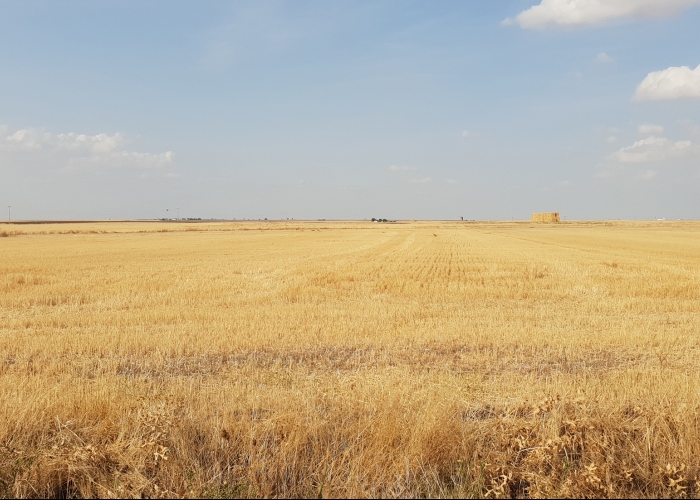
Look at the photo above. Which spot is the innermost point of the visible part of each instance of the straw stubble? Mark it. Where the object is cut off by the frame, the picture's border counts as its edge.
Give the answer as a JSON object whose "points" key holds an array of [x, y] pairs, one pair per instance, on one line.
{"points": [[349, 359]]}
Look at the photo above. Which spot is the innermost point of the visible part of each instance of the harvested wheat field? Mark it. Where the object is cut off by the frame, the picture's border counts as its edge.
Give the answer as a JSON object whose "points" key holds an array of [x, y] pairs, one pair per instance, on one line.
{"points": [[350, 359]]}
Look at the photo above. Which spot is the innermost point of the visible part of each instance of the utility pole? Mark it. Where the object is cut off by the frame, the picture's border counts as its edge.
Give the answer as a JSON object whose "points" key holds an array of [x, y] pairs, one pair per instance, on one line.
{"points": [[178, 214], [9, 209]]}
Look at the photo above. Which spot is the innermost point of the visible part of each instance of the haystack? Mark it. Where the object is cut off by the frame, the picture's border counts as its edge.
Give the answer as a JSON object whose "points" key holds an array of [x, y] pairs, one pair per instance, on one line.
{"points": [[546, 217]]}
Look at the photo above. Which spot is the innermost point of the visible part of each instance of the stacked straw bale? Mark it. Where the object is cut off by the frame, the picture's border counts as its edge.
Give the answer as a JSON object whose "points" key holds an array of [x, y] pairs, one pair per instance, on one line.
{"points": [[546, 217]]}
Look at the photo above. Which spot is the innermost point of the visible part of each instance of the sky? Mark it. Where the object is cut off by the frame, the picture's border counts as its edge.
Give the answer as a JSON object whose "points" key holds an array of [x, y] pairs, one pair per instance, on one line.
{"points": [[350, 110]]}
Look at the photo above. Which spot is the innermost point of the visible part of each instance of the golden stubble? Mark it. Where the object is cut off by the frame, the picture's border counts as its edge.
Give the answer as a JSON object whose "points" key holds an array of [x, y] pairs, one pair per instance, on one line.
{"points": [[349, 359]]}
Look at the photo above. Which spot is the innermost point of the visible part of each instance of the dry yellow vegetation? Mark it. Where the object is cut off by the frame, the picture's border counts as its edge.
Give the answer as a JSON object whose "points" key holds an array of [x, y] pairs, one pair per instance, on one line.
{"points": [[350, 359]]}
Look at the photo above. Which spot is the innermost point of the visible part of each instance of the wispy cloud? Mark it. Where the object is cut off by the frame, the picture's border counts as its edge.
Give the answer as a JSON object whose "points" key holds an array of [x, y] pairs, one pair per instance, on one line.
{"points": [[652, 158], [122, 159], [654, 149], [33, 139], [604, 58], [671, 83], [77, 151], [553, 13], [424, 180]]}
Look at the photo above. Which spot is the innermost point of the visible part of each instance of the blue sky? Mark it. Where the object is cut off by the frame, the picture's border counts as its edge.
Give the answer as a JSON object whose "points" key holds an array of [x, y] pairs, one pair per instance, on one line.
{"points": [[424, 110]]}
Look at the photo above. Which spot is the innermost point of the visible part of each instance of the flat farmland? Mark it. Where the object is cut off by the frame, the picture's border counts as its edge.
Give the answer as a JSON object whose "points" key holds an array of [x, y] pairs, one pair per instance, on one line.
{"points": [[284, 359]]}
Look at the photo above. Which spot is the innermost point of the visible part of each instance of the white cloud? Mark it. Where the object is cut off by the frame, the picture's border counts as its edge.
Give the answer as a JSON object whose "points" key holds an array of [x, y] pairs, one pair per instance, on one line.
{"points": [[649, 158], [672, 83], [654, 149], [651, 129], [121, 159], [424, 180], [604, 58], [100, 143], [402, 168], [24, 139], [76, 151], [590, 12], [611, 140], [31, 138]]}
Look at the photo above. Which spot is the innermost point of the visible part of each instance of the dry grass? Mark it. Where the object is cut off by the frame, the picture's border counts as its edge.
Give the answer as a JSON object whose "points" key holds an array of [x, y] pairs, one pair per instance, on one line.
{"points": [[349, 359]]}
